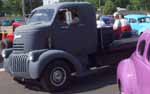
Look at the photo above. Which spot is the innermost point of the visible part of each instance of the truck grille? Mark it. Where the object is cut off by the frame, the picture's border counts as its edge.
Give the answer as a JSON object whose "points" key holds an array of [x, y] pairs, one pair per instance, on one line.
{"points": [[19, 63], [18, 47]]}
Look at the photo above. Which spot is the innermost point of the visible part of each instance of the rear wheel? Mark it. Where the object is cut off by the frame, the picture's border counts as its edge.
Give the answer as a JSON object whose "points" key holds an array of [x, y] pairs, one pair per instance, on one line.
{"points": [[122, 90], [56, 76]]}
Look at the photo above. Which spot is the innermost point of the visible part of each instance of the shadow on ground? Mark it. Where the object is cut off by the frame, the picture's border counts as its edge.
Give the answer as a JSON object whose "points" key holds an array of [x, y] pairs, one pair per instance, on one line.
{"points": [[92, 82]]}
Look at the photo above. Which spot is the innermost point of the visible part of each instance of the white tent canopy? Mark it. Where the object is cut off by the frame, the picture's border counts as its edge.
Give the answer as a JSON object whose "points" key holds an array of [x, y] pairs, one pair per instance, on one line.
{"points": [[47, 2]]}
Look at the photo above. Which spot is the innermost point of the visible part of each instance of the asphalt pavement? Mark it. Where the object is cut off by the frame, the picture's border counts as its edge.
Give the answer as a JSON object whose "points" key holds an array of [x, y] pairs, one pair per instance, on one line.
{"points": [[102, 82]]}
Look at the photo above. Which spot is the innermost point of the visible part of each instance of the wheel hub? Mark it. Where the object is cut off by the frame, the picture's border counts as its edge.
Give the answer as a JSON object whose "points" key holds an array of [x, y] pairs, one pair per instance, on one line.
{"points": [[58, 76]]}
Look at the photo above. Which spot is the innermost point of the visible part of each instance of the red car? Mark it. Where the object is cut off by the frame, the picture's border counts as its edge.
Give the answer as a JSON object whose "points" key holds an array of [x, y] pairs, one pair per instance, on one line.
{"points": [[7, 37]]}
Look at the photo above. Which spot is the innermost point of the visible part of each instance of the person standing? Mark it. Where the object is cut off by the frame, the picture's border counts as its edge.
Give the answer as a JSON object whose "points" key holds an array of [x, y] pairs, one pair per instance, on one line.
{"points": [[117, 25], [125, 27]]}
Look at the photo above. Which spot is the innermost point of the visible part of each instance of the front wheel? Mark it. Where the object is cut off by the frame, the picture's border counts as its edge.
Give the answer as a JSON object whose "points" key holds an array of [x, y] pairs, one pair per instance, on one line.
{"points": [[19, 80], [122, 89], [56, 76]]}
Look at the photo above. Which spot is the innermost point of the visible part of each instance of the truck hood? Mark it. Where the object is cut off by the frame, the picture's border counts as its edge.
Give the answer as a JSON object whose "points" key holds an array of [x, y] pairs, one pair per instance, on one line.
{"points": [[32, 37], [32, 27]]}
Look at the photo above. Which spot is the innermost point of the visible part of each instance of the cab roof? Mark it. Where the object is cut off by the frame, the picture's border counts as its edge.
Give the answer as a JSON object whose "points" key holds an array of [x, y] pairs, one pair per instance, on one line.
{"points": [[57, 6]]}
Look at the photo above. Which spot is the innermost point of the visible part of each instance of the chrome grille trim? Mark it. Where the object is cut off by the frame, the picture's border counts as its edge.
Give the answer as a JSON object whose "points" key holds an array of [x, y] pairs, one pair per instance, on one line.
{"points": [[18, 47], [19, 63]]}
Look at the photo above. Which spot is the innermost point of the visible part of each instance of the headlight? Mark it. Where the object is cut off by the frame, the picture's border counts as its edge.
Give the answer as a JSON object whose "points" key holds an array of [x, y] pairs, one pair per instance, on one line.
{"points": [[30, 56], [3, 54]]}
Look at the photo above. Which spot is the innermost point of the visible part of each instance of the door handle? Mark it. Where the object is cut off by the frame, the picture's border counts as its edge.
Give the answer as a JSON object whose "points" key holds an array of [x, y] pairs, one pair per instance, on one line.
{"points": [[81, 24], [64, 27]]}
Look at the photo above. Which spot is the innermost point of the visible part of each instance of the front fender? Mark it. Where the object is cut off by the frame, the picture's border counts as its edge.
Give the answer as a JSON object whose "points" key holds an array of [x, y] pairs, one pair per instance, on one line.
{"points": [[37, 67], [126, 75]]}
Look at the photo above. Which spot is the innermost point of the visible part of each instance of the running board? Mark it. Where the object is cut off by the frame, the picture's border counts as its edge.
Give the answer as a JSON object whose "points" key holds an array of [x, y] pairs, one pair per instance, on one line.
{"points": [[91, 70]]}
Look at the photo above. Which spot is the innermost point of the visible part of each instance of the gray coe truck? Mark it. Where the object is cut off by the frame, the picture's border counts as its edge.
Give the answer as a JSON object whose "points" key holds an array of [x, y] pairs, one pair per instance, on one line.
{"points": [[61, 41]]}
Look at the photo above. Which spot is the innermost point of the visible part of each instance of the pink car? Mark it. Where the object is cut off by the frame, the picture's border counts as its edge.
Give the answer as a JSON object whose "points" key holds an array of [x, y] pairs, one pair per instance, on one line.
{"points": [[133, 74]]}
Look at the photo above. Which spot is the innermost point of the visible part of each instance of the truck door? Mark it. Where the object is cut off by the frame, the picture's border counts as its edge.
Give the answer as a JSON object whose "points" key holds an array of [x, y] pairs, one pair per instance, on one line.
{"points": [[67, 36], [146, 71], [73, 37]]}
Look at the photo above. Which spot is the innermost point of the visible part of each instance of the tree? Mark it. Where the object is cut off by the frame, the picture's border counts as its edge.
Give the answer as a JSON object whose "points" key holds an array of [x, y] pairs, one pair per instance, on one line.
{"points": [[12, 6], [139, 5], [122, 3], [1, 5], [34, 4], [109, 7], [94, 2]]}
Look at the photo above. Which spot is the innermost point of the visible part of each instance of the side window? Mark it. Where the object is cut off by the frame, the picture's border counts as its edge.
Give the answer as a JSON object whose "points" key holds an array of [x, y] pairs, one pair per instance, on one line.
{"points": [[75, 15], [132, 20], [141, 20], [62, 17], [141, 47], [148, 53]]}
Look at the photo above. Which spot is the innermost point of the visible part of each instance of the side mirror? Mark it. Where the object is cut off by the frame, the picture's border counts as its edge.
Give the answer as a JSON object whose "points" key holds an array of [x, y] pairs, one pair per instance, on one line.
{"points": [[68, 15], [27, 15]]}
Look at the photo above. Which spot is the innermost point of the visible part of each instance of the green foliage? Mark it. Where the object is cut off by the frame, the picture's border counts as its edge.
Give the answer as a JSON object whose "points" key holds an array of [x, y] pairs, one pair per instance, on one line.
{"points": [[12, 6], [139, 5], [121, 3], [94, 2], [109, 7]]}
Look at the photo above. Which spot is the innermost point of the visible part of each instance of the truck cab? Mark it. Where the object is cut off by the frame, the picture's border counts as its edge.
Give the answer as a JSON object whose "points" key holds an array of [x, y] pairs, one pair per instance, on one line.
{"points": [[60, 41]]}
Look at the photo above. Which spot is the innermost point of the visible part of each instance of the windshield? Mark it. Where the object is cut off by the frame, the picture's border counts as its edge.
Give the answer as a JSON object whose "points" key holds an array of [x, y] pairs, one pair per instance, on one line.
{"points": [[43, 15], [144, 20]]}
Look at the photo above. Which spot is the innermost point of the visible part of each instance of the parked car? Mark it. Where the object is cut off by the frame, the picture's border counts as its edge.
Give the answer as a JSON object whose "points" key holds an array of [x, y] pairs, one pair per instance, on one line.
{"points": [[108, 20], [105, 21], [7, 37], [6, 23], [139, 22], [17, 22], [133, 73]]}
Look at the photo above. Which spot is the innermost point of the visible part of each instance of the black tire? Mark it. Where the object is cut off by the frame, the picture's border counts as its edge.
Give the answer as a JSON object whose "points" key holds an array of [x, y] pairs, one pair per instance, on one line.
{"points": [[119, 87], [2, 46], [56, 77], [5, 44], [19, 80], [8, 43]]}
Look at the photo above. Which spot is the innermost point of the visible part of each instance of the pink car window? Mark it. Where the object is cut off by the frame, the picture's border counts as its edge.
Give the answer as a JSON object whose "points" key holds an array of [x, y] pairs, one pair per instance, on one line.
{"points": [[141, 47]]}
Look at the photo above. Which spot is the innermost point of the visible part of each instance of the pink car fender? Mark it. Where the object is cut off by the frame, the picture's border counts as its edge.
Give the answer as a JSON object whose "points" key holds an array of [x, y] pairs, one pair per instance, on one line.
{"points": [[126, 77]]}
